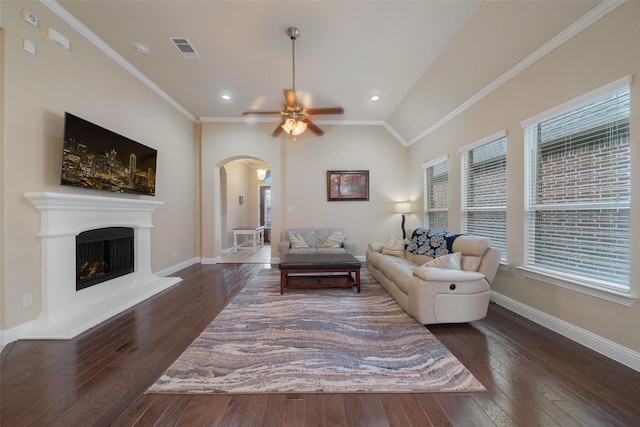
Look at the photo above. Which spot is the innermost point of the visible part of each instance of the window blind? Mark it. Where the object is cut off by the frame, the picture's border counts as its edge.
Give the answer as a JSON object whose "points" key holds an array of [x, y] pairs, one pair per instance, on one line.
{"points": [[436, 190], [578, 191], [484, 192]]}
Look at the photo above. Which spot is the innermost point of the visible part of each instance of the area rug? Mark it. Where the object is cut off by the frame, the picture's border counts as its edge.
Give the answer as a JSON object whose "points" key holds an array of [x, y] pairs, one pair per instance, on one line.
{"points": [[315, 341]]}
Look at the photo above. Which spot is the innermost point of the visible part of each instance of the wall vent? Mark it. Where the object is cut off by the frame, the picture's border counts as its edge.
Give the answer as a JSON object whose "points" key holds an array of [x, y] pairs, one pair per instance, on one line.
{"points": [[184, 46]]}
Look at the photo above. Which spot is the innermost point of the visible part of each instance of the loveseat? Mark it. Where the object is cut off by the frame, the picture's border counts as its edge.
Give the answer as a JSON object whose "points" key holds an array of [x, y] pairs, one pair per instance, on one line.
{"points": [[454, 286], [316, 241]]}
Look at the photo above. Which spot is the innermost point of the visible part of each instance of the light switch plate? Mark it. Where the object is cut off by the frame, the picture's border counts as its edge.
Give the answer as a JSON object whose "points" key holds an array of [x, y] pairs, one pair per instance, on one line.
{"points": [[29, 46]]}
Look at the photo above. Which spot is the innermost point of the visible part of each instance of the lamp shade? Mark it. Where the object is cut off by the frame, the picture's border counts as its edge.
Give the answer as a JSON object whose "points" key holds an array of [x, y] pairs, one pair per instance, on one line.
{"points": [[403, 208], [262, 174]]}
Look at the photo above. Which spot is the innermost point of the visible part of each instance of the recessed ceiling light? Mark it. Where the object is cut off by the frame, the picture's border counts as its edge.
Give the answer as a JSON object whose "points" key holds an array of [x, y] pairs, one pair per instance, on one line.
{"points": [[374, 98], [225, 96], [141, 48]]}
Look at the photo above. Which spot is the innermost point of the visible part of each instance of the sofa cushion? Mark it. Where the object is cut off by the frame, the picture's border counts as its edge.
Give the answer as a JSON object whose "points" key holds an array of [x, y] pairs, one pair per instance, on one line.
{"points": [[434, 243], [308, 234], [393, 247], [417, 259], [473, 249], [451, 261], [398, 270], [297, 241], [333, 241]]}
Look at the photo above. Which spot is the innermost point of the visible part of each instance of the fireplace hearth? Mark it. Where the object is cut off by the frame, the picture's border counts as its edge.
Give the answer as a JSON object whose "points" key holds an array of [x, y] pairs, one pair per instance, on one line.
{"points": [[102, 255]]}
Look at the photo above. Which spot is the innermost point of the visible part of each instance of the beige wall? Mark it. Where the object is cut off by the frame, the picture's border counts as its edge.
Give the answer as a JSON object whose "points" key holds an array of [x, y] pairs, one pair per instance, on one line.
{"points": [[221, 144], [298, 171], [604, 52], [38, 90], [3, 180]]}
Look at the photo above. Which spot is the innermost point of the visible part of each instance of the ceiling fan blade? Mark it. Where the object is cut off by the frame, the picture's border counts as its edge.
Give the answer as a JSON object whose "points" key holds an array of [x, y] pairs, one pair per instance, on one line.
{"points": [[312, 127], [255, 113], [277, 131], [330, 110], [290, 96]]}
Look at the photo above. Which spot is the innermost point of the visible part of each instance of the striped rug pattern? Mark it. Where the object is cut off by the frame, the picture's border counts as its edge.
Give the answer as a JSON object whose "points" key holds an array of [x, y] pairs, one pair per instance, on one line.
{"points": [[315, 340]]}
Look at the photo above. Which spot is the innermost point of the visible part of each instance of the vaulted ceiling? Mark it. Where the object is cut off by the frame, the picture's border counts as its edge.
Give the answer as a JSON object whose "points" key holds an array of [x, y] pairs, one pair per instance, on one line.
{"points": [[424, 59]]}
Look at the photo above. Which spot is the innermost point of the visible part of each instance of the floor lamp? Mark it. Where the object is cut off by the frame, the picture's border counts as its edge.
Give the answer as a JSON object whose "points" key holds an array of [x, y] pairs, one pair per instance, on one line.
{"points": [[403, 208]]}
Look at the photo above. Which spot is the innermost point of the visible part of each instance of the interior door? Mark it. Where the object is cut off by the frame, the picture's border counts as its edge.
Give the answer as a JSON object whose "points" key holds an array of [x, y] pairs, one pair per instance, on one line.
{"points": [[265, 212]]}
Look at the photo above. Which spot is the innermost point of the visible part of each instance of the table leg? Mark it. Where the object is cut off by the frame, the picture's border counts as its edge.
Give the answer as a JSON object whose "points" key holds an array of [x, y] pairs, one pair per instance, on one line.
{"points": [[283, 279], [235, 242], [358, 280]]}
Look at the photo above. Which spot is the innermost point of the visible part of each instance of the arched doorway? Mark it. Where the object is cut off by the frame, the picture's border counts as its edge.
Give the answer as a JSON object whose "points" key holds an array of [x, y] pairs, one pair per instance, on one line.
{"points": [[245, 189]]}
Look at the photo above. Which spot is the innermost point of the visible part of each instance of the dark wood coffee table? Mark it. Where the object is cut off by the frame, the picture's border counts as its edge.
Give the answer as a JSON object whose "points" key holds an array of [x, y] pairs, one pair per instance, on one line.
{"points": [[319, 271]]}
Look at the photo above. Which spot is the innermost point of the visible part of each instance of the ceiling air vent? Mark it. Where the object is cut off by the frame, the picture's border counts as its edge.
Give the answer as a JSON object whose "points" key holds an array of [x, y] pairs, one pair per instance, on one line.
{"points": [[184, 46]]}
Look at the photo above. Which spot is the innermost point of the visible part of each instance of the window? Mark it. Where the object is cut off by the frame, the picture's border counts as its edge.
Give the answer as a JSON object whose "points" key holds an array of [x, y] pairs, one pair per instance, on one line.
{"points": [[436, 194], [484, 190], [577, 195]]}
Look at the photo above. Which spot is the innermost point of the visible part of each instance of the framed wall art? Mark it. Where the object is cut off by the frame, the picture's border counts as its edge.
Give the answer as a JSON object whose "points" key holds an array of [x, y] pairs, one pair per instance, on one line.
{"points": [[347, 185]]}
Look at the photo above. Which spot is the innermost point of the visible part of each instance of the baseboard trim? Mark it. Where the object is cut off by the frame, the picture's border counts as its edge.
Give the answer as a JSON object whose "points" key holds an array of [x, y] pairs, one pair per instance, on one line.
{"points": [[216, 260], [180, 266], [608, 348], [10, 335]]}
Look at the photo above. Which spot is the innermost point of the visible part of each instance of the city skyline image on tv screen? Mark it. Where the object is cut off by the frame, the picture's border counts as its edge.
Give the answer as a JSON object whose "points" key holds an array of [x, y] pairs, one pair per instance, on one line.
{"points": [[97, 158]]}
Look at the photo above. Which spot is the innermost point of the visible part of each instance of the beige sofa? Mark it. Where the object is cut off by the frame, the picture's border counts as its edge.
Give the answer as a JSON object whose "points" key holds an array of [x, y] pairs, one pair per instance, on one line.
{"points": [[317, 241], [438, 295]]}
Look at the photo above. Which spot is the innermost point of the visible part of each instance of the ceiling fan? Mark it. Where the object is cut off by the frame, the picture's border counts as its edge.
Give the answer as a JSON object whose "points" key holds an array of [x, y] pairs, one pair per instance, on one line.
{"points": [[294, 115]]}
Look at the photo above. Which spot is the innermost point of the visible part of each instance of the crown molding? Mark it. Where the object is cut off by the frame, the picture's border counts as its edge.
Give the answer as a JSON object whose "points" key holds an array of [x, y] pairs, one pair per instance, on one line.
{"points": [[104, 47], [585, 21], [562, 37]]}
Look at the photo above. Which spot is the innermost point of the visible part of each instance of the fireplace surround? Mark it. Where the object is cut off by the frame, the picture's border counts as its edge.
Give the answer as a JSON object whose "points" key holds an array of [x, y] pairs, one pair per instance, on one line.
{"points": [[66, 312]]}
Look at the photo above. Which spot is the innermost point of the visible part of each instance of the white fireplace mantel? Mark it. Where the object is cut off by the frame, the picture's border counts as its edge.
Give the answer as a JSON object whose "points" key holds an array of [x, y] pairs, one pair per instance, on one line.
{"points": [[65, 311]]}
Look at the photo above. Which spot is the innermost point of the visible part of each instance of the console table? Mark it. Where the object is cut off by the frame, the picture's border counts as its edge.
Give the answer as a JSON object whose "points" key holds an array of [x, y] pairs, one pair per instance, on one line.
{"points": [[257, 234]]}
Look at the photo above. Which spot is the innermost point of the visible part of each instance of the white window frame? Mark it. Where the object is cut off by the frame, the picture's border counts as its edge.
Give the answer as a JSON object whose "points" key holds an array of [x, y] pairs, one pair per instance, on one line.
{"points": [[427, 196], [600, 289], [465, 153]]}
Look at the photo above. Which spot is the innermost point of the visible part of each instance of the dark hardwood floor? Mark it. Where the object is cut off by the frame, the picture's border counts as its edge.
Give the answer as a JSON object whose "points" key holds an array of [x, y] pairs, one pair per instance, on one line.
{"points": [[534, 377]]}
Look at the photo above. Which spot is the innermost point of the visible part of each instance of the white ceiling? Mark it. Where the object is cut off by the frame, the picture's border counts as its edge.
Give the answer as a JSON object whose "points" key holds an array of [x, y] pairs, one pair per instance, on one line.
{"points": [[423, 58]]}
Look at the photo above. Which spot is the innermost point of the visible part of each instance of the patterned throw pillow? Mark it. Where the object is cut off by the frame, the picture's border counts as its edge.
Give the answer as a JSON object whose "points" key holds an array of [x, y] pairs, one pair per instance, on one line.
{"points": [[451, 261], [297, 241], [333, 241], [394, 247]]}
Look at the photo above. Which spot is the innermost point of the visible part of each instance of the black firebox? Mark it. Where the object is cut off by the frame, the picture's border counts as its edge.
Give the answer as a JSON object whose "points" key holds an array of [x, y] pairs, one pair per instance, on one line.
{"points": [[103, 254]]}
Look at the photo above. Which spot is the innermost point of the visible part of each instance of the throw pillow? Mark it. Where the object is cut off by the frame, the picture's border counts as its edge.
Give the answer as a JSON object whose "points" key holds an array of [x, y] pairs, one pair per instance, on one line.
{"points": [[393, 247], [333, 241], [297, 241], [451, 261]]}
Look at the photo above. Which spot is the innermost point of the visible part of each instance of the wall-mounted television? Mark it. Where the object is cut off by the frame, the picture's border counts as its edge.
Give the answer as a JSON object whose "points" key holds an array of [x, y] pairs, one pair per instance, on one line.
{"points": [[95, 157]]}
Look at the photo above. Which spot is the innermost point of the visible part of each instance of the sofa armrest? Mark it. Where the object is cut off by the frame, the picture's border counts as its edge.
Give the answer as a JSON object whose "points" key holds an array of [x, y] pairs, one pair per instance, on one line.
{"points": [[376, 247], [490, 263], [435, 274], [349, 247], [283, 247]]}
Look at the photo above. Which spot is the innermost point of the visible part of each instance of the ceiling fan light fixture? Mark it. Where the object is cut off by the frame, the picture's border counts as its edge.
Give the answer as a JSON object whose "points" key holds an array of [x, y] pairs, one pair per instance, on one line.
{"points": [[294, 117], [299, 128], [293, 126]]}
